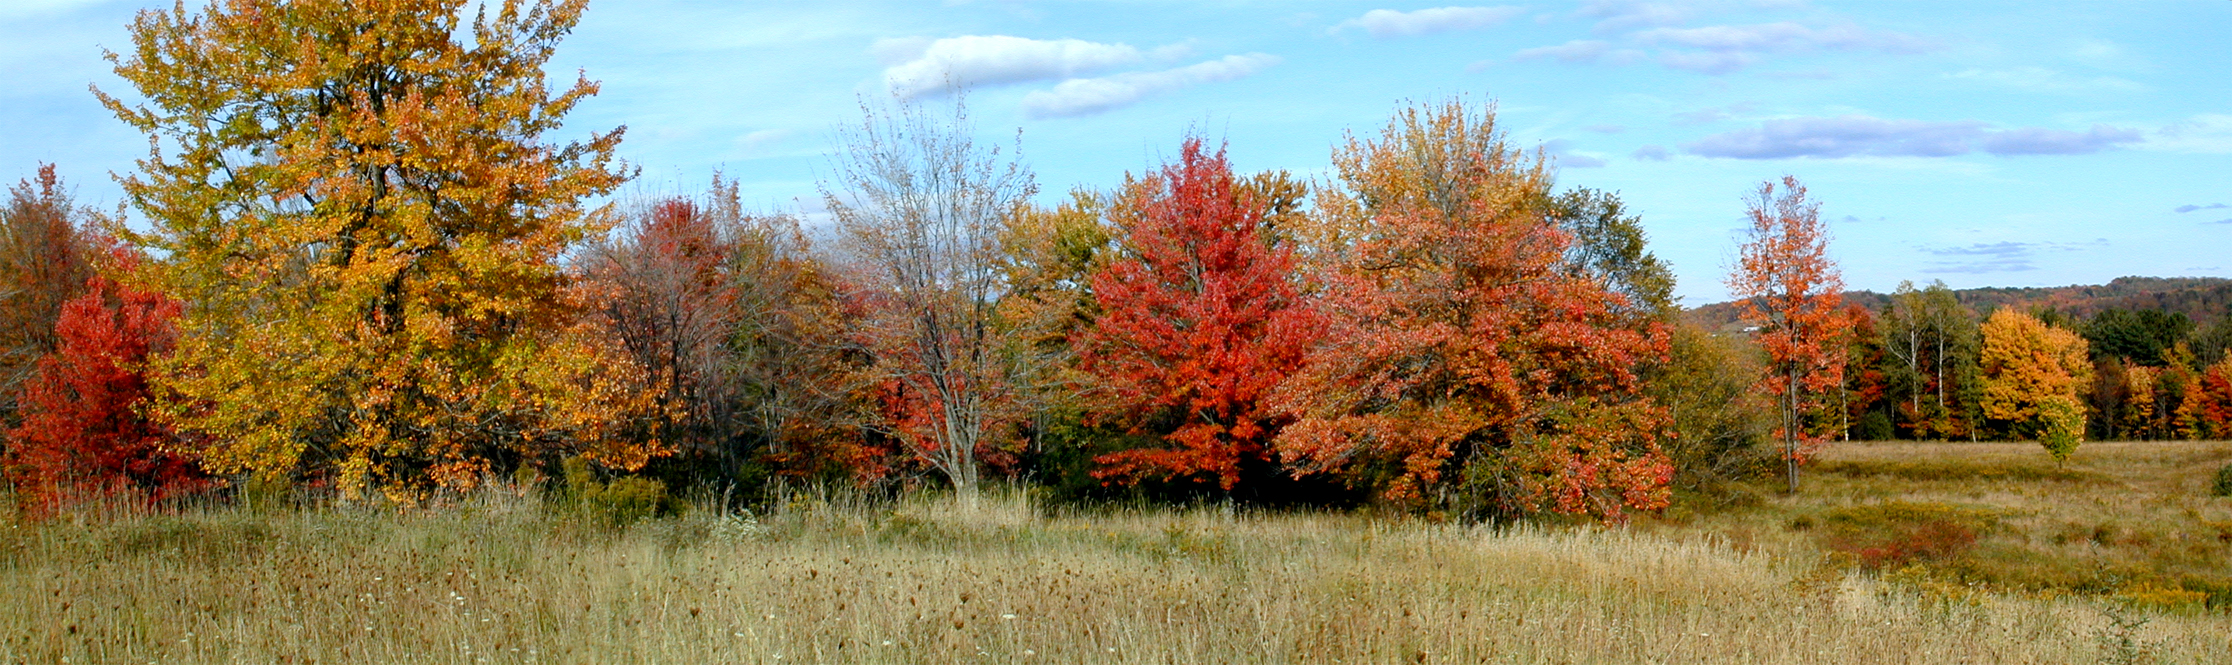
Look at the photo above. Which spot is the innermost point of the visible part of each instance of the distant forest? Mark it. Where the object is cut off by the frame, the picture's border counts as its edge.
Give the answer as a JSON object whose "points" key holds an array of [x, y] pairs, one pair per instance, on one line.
{"points": [[2200, 299]]}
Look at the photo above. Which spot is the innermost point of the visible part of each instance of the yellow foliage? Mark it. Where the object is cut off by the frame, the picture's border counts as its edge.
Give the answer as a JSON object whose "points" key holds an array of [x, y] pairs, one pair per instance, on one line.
{"points": [[2035, 375], [368, 226]]}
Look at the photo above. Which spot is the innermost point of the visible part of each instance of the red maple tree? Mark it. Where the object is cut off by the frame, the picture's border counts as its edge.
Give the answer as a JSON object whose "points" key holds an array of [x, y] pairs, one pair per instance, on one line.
{"points": [[82, 434], [1463, 358], [1200, 321], [1792, 291]]}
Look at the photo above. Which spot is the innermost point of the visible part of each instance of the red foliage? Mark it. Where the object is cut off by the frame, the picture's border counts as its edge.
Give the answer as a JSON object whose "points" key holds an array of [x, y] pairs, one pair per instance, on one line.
{"points": [[1200, 320], [2211, 400], [1866, 386], [1792, 290], [81, 433]]}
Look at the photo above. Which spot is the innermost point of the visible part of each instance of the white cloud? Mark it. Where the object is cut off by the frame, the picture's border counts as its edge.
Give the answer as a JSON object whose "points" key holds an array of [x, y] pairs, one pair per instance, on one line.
{"points": [[1561, 153], [2207, 133], [1857, 135], [1707, 63], [1087, 96], [1385, 23], [1783, 37], [1616, 15], [919, 66], [1581, 51], [2040, 79]]}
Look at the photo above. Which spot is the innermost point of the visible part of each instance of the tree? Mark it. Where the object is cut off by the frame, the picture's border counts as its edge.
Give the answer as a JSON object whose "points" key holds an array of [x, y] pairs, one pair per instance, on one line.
{"points": [[1609, 245], [45, 260], [1932, 336], [2035, 376], [2207, 410], [2138, 336], [920, 205], [1198, 321], [2141, 409], [358, 205], [1791, 289], [1461, 345], [82, 432], [1865, 384]]}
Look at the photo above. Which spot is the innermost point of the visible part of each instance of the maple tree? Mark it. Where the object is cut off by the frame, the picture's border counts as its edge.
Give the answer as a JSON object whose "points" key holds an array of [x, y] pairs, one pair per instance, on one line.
{"points": [[920, 206], [2207, 408], [1464, 358], [1792, 291], [82, 433], [1865, 384], [358, 206], [45, 260], [2035, 376], [1198, 321]]}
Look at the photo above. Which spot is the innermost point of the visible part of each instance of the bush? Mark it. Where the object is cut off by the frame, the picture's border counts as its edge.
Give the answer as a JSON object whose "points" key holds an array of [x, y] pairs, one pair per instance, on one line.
{"points": [[617, 504], [2223, 486], [1898, 533]]}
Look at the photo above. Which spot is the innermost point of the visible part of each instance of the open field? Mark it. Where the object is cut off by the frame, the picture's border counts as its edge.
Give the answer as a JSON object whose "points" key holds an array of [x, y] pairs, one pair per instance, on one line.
{"points": [[501, 579]]}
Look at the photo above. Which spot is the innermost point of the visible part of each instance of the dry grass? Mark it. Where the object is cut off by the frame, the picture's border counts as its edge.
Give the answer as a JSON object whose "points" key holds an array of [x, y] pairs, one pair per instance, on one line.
{"points": [[498, 580], [2130, 518]]}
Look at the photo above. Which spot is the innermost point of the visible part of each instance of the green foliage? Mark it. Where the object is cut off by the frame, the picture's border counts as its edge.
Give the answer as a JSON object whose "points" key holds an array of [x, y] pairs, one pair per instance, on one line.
{"points": [[1609, 245], [2138, 336], [2223, 484], [1959, 471], [1873, 426], [2064, 428], [617, 504], [1721, 425]]}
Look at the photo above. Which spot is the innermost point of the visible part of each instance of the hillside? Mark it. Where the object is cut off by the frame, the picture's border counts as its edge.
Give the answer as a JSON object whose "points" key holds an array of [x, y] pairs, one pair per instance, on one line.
{"points": [[2199, 298]]}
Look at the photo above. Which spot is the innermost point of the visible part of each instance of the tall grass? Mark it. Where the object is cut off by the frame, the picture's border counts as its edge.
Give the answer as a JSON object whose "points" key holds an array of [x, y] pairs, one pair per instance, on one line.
{"points": [[499, 579]]}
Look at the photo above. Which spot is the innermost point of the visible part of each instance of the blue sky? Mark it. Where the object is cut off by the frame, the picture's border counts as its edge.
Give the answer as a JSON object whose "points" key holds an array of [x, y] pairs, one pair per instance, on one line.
{"points": [[1982, 143]]}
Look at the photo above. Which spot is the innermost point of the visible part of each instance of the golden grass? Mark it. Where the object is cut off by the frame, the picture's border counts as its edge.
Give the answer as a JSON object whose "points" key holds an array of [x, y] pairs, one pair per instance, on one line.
{"points": [[499, 580]]}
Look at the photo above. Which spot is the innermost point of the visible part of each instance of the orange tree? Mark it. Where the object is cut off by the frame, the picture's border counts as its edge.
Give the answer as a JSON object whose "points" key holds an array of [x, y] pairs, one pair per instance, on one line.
{"points": [[1465, 361], [358, 206], [1792, 291], [1199, 319], [2035, 376]]}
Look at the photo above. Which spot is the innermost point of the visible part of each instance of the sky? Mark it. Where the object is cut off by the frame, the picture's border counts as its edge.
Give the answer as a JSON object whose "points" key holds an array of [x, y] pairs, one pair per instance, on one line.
{"points": [[1982, 143]]}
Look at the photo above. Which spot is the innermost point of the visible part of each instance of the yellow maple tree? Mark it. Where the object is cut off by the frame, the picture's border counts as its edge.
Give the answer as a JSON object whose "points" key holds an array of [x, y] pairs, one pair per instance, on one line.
{"points": [[356, 201], [2035, 376]]}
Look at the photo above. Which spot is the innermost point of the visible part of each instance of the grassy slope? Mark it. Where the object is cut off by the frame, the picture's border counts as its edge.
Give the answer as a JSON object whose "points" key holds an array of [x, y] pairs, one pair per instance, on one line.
{"points": [[498, 581]]}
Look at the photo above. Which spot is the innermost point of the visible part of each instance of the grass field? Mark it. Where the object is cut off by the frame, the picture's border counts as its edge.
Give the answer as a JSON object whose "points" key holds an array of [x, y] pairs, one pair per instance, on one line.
{"points": [[2083, 564]]}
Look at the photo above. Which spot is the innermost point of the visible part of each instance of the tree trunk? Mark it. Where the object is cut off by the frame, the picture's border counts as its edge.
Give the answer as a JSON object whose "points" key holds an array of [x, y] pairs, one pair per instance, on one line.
{"points": [[1790, 429]]}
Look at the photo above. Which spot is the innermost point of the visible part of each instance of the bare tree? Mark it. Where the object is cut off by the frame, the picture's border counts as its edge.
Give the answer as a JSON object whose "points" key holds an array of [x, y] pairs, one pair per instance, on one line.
{"points": [[920, 206]]}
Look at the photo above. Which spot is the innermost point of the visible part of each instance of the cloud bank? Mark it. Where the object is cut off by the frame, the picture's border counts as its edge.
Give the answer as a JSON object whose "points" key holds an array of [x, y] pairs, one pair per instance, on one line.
{"points": [[1857, 135], [1087, 96], [919, 66], [1386, 23]]}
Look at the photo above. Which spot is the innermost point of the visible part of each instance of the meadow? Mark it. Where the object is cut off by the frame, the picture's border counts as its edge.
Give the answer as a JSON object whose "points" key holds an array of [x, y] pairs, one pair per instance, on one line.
{"points": [[1895, 553]]}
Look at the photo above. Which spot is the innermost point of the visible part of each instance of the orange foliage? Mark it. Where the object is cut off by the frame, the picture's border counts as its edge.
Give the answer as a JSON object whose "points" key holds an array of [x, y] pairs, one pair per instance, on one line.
{"points": [[1792, 291], [1457, 341]]}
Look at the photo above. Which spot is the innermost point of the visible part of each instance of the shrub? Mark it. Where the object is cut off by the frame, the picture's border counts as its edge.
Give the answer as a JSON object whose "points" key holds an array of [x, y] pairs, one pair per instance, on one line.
{"points": [[1898, 533], [619, 503], [2223, 485]]}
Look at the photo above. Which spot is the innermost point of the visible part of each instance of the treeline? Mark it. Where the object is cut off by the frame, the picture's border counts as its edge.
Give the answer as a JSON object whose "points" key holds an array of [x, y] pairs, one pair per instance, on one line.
{"points": [[1926, 362], [363, 271]]}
